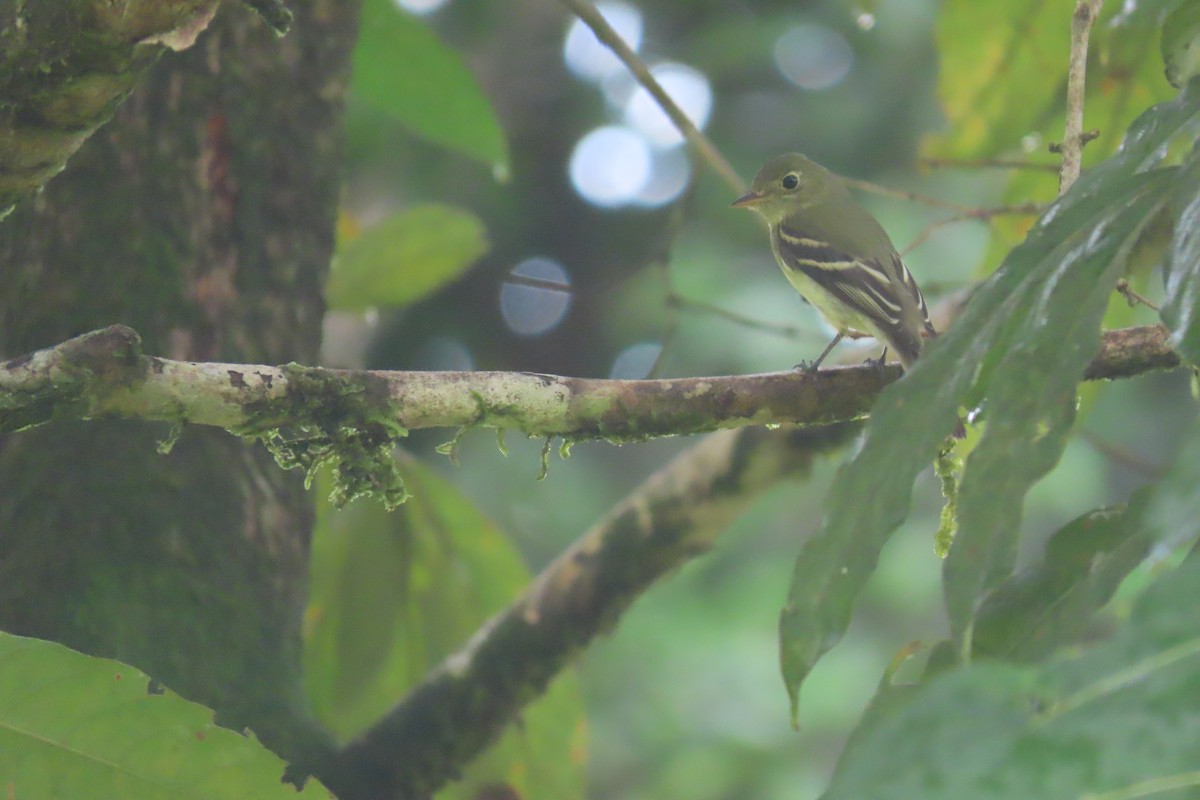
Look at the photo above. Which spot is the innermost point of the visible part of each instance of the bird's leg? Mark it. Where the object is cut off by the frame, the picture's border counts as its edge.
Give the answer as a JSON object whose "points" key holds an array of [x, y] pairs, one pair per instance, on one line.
{"points": [[812, 366], [878, 363]]}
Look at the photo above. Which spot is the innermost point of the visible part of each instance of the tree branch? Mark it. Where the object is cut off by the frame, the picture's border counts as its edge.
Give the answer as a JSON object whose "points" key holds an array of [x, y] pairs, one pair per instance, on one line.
{"points": [[674, 516], [1074, 138], [105, 374]]}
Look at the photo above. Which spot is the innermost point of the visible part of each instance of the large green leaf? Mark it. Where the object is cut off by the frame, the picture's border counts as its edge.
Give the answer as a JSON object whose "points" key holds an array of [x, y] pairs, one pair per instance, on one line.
{"points": [[395, 593], [1122, 718], [73, 726], [405, 257], [402, 68], [1022, 343], [1053, 329], [1181, 311], [1051, 603], [1014, 106], [1004, 66], [1181, 42]]}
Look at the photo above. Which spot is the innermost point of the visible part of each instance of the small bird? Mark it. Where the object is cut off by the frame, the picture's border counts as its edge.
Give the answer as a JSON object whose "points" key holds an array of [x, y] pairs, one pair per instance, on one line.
{"points": [[838, 256]]}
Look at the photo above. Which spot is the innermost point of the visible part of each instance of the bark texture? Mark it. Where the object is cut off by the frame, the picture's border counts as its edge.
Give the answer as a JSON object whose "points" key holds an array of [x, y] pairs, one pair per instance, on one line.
{"points": [[203, 216]]}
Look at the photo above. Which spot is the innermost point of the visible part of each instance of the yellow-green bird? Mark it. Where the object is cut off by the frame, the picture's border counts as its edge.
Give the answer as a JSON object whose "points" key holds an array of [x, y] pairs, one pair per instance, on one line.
{"points": [[838, 256]]}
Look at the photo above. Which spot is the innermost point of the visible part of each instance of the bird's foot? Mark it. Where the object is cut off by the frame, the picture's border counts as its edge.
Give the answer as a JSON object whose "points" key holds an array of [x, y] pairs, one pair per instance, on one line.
{"points": [[879, 363], [808, 367]]}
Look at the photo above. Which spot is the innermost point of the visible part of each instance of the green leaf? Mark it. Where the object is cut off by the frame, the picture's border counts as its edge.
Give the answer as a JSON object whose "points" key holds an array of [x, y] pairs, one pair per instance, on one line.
{"points": [[1052, 332], [401, 68], [393, 594], [74, 726], [405, 257], [1116, 718], [1022, 342], [998, 77], [1003, 74], [1181, 43], [1050, 604], [1181, 308]]}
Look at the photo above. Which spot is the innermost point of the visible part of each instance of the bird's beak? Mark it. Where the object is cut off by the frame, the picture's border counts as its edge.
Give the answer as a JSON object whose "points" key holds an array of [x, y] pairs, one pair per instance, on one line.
{"points": [[748, 199]]}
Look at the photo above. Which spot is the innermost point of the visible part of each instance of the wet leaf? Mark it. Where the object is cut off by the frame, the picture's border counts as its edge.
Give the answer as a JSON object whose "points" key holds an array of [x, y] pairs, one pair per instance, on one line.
{"points": [[395, 593], [401, 68], [76, 726], [403, 258], [1020, 345], [1117, 719]]}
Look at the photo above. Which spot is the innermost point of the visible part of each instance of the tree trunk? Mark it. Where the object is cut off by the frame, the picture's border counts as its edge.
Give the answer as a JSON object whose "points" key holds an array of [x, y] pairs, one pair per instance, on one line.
{"points": [[202, 216]]}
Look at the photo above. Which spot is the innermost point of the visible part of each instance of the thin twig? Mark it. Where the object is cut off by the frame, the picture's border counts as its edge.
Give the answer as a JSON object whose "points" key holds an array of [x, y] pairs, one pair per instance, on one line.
{"points": [[986, 163], [1133, 298], [904, 194], [1020, 209], [789, 331], [1119, 455], [671, 326], [1073, 141], [703, 146]]}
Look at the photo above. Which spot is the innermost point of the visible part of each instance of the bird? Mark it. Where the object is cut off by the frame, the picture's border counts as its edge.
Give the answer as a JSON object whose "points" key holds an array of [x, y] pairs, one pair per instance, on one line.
{"points": [[838, 257]]}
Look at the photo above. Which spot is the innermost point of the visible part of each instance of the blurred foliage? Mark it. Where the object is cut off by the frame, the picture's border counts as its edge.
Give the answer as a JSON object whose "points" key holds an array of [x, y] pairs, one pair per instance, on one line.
{"points": [[1068, 490], [76, 726], [1115, 722], [402, 68], [402, 259], [395, 593]]}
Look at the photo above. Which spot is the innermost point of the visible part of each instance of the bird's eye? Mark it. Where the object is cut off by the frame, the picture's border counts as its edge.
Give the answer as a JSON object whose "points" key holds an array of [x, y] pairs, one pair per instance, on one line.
{"points": [[790, 181]]}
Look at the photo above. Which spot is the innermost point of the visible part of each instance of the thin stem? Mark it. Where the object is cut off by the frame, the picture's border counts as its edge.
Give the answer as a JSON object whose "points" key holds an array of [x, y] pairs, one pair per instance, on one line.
{"points": [[904, 194], [1073, 139], [1133, 298], [1121, 678], [1020, 209], [986, 163], [1119, 455], [680, 302], [1148, 787], [703, 146]]}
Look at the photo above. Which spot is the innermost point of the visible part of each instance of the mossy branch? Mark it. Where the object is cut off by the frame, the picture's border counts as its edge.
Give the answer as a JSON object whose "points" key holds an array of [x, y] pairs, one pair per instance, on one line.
{"points": [[105, 374]]}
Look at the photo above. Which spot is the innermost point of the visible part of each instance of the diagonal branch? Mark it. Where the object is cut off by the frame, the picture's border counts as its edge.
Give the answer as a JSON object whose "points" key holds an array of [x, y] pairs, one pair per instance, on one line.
{"points": [[674, 516], [105, 374]]}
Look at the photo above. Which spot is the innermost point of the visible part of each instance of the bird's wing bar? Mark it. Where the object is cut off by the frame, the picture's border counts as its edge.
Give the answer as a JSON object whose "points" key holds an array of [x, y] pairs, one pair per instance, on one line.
{"points": [[862, 285], [910, 283]]}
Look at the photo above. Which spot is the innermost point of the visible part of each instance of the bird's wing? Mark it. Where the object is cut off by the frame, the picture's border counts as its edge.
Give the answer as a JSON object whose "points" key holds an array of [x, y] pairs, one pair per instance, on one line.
{"points": [[875, 290]]}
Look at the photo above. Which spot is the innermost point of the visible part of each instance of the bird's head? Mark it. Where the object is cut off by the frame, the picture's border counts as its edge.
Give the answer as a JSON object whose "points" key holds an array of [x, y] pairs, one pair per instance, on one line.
{"points": [[787, 184]]}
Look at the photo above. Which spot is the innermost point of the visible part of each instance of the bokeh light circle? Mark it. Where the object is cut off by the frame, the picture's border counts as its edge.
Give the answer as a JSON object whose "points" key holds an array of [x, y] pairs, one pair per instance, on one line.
{"points": [[814, 57], [610, 166], [670, 172], [536, 298], [635, 361], [583, 53], [421, 7]]}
